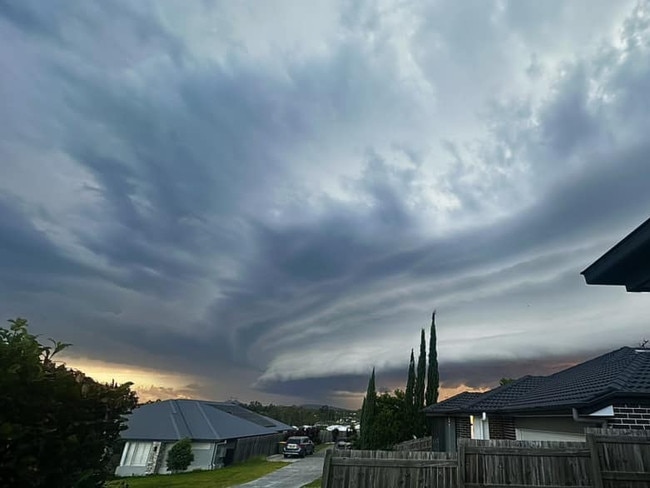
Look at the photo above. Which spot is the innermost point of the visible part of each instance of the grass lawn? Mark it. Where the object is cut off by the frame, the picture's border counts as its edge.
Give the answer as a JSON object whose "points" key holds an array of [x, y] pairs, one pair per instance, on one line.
{"points": [[322, 447], [314, 484], [219, 478]]}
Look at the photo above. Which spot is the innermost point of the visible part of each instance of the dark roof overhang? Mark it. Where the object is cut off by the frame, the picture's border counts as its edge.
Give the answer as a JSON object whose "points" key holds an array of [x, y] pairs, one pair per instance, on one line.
{"points": [[626, 264]]}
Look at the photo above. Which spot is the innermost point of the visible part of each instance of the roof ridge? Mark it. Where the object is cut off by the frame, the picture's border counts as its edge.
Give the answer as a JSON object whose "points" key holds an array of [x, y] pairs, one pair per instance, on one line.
{"points": [[177, 411], [207, 420]]}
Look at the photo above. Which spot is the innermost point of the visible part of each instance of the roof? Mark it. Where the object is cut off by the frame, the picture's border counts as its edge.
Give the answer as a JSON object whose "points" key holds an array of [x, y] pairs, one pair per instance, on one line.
{"points": [[621, 373], [172, 420], [462, 401], [627, 263]]}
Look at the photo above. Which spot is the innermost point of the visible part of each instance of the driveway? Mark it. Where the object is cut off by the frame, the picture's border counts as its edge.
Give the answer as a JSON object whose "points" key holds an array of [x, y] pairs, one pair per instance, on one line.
{"points": [[299, 473]]}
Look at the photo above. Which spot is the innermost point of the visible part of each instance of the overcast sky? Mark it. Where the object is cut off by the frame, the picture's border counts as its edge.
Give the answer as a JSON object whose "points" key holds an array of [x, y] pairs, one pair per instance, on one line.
{"points": [[264, 200]]}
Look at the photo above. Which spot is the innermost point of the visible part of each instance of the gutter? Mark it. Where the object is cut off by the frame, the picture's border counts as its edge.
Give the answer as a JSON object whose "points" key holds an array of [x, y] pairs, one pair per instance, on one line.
{"points": [[587, 420]]}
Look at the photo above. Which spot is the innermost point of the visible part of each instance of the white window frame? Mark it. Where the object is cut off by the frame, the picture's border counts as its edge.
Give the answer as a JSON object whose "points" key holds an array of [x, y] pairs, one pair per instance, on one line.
{"points": [[479, 427], [136, 453]]}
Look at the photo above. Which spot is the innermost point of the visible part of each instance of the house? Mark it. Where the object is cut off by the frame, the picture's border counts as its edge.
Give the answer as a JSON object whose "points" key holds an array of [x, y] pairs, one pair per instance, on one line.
{"points": [[626, 264], [221, 433], [612, 390]]}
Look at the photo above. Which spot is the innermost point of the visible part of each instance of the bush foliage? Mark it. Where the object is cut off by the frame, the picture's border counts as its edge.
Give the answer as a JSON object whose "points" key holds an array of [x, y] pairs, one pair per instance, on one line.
{"points": [[57, 425], [180, 456]]}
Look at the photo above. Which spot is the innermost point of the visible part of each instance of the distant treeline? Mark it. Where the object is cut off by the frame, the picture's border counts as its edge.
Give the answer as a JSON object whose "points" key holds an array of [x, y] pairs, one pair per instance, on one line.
{"points": [[299, 415]]}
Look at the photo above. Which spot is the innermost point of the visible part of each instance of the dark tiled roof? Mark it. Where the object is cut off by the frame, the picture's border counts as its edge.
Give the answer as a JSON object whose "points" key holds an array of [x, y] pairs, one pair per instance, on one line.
{"points": [[452, 404], [624, 372], [200, 420], [507, 394], [489, 401], [621, 372]]}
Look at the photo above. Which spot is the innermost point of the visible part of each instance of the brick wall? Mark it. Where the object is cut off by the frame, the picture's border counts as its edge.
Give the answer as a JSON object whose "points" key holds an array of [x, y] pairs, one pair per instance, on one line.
{"points": [[631, 415], [502, 428], [463, 428]]}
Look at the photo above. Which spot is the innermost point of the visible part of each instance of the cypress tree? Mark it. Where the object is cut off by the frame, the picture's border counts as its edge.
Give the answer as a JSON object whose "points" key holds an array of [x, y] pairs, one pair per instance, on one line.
{"points": [[409, 399], [420, 381], [433, 377], [362, 420], [368, 416]]}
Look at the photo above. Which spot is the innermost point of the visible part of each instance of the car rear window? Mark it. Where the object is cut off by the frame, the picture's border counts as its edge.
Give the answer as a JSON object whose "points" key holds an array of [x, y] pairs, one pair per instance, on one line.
{"points": [[294, 440]]}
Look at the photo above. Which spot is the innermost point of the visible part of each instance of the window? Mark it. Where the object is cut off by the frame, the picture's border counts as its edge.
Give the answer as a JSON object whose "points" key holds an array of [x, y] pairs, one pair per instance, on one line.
{"points": [[137, 453], [480, 428]]}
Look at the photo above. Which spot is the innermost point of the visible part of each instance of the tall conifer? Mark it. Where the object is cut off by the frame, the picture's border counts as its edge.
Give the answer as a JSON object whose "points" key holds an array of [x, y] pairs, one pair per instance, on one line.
{"points": [[409, 400], [433, 377], [420, 382]]}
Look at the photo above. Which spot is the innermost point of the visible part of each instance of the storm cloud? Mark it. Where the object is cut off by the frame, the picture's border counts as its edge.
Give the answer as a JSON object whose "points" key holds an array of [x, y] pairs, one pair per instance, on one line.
{"points": [[271, 198]]}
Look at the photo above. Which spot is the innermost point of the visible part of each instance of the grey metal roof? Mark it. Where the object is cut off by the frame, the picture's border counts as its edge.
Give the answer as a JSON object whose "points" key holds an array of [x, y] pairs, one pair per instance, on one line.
{"points": [[621, 373], [172, 420], [627, 263]]}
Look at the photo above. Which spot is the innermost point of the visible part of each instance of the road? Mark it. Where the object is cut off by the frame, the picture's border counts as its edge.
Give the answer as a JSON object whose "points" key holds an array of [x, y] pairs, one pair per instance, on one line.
{"points": [[299, 473]]}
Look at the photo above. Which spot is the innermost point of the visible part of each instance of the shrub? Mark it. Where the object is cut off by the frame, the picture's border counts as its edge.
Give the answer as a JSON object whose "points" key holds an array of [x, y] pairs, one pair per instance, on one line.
{"points": [[56, 424], [180, 456]]}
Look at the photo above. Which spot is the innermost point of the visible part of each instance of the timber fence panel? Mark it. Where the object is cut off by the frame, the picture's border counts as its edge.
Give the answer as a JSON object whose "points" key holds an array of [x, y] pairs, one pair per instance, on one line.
{"points": [[388, 469], [521, 464], [422, 444], [609, 459], [249, 447], [621, 457]]}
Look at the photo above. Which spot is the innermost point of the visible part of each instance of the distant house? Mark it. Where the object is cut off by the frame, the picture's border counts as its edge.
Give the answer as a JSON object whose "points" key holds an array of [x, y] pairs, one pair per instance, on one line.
{"points": [[221, 433], [626, 264], [611, 390]]}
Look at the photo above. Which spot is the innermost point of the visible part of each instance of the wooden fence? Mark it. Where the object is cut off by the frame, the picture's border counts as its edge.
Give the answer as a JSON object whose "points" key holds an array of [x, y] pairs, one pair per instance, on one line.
{"points": [[249, 447], [622, 458], [609, 459], [523, 464], [423, 444], [394, 469]]}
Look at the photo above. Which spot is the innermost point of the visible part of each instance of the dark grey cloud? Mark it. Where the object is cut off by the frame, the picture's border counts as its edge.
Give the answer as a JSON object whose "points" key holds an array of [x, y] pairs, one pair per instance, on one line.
{"points": [[193, 189]]}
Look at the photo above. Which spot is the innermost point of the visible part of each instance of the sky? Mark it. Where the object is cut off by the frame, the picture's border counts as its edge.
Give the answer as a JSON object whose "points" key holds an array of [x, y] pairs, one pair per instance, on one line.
{"points": [[265, 200]]}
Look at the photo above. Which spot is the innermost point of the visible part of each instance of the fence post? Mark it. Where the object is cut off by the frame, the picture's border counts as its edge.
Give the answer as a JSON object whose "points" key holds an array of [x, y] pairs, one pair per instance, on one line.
{"points": [[327, 468], [596, 472], [461, 463]]}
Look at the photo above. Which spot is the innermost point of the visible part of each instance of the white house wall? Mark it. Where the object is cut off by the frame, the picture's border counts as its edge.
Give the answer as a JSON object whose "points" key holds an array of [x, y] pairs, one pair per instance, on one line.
{"points": [[549, 429], [203, 457], [134, 458]]}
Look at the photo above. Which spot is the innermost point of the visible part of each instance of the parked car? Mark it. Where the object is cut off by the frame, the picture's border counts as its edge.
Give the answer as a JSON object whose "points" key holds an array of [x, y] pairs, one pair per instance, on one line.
{"points": [[343, 444], [298, 446]]}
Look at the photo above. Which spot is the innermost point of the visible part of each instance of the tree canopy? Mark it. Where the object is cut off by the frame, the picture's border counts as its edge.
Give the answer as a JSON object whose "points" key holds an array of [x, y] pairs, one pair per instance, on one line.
{"points": [[57, 425]]}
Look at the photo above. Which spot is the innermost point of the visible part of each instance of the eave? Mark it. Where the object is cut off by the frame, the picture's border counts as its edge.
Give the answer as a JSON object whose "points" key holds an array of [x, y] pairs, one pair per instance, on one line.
{"points": [[626, 264]]}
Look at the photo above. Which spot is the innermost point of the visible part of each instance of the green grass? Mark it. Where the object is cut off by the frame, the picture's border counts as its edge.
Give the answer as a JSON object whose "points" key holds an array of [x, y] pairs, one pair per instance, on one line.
{"points": [[322, 447], [314, 484], [219, 478]]}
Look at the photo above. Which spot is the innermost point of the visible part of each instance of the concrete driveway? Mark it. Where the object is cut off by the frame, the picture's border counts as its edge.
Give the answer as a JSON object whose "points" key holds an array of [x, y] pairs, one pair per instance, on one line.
{"points": [[297, 474]]}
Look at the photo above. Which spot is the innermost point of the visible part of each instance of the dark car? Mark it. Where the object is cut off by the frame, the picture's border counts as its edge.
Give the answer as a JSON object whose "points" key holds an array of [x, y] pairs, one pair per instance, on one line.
{"points": [[298, 446]]}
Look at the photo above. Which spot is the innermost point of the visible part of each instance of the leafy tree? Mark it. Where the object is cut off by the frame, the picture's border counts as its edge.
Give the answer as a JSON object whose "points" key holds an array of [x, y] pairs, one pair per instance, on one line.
{"points": [[57, 425], [389, 420], [409, 400], [505, 381], [433, 376], [419, 427], [368, 437], [300, 415], [180, 456]]}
